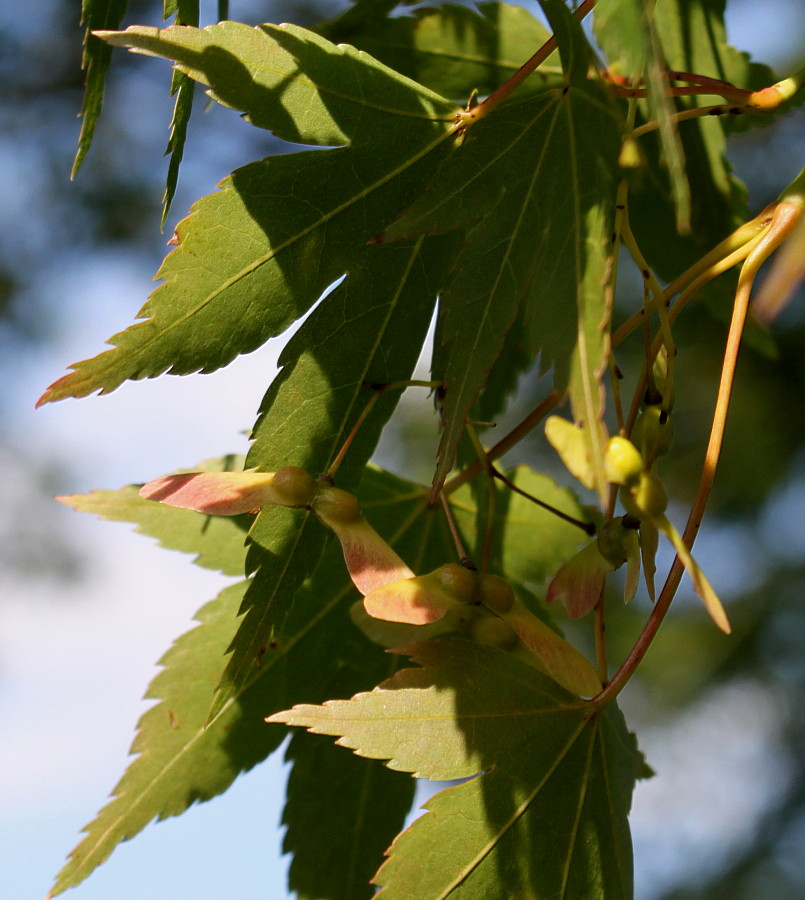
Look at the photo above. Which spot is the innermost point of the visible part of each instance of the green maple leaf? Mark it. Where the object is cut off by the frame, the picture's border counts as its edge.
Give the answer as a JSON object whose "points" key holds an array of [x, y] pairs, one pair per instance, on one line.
{"points": [[180, 760], [548, 818], [535, 194], [255, 256], [186, 755], [95, 14], [183, 88], [337, 836], [326, 372], [220, 543], [451, 49], [527, 540]]}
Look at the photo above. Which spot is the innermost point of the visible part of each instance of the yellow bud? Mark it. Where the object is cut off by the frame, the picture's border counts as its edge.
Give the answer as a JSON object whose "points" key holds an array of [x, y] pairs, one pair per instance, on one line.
{"points": [[623, 464], [652, 436]]}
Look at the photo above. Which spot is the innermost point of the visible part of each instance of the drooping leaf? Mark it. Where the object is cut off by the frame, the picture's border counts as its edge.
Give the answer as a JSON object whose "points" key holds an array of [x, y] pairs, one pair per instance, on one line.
{"points": [[219, 542], [303, 660], [451, 49], [549, 817], [95, 14], [325, 381], [183, 88], [536, 195], [255, 256]]}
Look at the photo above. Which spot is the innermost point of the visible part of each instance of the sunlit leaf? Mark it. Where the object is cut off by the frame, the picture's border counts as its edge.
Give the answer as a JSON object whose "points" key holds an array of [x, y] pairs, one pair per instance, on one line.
{"points": [[536, 239], [219, 542], [325, 381], [549, 817], [451, 49], [255, 256]]}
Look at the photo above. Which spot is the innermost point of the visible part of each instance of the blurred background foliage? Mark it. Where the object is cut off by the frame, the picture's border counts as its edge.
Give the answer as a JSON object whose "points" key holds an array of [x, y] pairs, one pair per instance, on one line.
{"points": [[751, 686]]}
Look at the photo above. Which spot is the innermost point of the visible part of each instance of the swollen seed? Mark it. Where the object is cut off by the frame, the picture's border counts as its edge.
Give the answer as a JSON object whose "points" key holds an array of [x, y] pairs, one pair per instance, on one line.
{"points": [[612, 542], [496, 593], [652, 436], [623, 463], [335, 506], [650, 495], [295, 486], [494, 633], [458, 582]]}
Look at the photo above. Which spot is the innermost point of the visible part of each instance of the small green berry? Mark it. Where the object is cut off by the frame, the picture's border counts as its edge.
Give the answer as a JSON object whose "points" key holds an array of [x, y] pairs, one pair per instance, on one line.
{"points": [[648, 497], [295, 486], [623, 463], [496, 593], [459, 582]]}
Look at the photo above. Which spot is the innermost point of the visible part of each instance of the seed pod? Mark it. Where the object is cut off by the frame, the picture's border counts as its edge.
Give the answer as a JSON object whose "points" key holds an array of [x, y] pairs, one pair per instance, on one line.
{"points": [[496, 593], [494, 632], [423, 599], [612, 542], [623, 463], [650, 496], [296, 486], [458, 581], [232, 493], [651, 436], [336, 507]]}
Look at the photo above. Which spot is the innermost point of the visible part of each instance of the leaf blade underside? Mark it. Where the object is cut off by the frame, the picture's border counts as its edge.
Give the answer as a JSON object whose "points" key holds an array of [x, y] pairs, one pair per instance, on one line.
{"points": [[535, 195], [551, 809], [451, 49], [218, 542], [253, 257], [324, 384]]}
